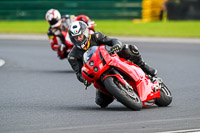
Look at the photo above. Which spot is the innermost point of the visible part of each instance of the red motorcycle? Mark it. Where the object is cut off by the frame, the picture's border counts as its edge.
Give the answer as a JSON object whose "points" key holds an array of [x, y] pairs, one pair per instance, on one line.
{"points": [[65, 47], [123, 80]]}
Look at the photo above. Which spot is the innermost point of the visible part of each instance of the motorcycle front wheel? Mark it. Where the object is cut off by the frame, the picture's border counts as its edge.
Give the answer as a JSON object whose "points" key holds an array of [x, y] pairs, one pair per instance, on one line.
{"points": [[165, 96], [124, 95]]}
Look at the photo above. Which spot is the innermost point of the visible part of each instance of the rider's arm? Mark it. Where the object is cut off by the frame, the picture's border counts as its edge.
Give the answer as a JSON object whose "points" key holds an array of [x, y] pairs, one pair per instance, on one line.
{"points": [[56, 41], [76, 65], [102, 39], [53, 40], [54, 44]]}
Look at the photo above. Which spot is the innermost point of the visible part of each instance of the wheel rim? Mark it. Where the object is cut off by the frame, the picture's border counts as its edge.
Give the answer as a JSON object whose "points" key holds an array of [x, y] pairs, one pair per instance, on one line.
{"points": [[128, 92], [166, 90]]}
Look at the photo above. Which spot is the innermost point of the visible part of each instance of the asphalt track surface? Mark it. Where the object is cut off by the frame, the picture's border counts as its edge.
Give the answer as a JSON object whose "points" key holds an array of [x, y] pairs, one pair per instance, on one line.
{"points": [[40, 93]]}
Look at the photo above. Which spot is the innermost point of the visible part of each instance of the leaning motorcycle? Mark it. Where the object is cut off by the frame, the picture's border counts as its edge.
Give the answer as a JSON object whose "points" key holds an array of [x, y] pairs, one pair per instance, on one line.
{"points": [[123, 80]]}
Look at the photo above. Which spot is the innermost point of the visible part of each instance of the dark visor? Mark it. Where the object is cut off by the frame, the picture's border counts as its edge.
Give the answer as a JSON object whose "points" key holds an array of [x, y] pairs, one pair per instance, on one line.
{"points": [[53, 21]]}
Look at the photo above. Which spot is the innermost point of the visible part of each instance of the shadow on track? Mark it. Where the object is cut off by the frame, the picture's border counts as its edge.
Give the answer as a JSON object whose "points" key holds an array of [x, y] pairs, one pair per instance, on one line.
{"points": [[87, 108], [57, 71], [109, 108], [47, 71], [53, 107]]}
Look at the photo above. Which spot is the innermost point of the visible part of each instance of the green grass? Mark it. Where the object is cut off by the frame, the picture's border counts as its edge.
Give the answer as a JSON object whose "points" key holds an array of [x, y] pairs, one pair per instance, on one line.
{"points": [[38, 27], [154, 29], [118, 27]]}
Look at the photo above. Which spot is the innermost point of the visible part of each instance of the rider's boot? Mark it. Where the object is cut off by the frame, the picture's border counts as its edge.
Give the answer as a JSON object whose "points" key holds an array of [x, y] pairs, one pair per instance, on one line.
{"points": [[147, 69], [102, 99]]}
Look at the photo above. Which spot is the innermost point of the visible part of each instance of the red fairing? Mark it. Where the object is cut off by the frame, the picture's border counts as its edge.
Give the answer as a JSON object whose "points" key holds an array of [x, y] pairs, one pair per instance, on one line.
{"points": [[87, 20], [102, 60], [68, 42], [62, 53], [82, 18], [91, 76], [90, 70], [54, 44], [143, 84]]}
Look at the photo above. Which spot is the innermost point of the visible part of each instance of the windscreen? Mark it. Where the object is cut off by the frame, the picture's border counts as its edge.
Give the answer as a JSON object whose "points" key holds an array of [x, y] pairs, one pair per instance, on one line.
{"points": [[88, 54]]}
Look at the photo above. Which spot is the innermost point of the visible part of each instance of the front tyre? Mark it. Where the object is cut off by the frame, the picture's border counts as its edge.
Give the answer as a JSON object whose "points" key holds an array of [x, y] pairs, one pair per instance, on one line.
{"points": [[165, 96], [124, 95]]}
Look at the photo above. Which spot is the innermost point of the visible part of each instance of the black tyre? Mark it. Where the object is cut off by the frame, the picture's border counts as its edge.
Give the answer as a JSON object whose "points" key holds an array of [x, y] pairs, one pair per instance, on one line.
{"points": [[127, 97], [165, 96]]}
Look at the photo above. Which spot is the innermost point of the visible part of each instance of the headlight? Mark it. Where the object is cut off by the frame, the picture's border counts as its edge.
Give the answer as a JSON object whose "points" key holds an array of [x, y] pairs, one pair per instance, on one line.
{"points": [[91, 63], [96, 69]]}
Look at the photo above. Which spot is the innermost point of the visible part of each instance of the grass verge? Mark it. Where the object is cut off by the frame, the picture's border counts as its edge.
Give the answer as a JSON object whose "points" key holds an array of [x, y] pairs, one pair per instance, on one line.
{"points": [[189, 29]]}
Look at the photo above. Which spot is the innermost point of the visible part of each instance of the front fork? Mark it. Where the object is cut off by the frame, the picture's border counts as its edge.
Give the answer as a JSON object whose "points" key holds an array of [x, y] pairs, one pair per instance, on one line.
{"points": [[157, 83]]}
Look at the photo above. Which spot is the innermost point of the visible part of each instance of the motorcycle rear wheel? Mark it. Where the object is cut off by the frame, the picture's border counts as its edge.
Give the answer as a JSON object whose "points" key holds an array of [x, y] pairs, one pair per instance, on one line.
{"points": [[128, 98], [165, 96]]}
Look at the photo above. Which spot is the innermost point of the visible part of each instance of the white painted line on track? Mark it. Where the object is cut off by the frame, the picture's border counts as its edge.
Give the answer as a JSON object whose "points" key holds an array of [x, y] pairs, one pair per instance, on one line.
{"points": [[184, 131], [2, 62]]}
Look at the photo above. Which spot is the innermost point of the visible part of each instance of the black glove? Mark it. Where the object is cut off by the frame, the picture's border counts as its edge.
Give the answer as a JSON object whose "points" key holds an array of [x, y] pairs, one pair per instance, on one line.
{"points": [[86, 83], [116, 48], [56, 31]]}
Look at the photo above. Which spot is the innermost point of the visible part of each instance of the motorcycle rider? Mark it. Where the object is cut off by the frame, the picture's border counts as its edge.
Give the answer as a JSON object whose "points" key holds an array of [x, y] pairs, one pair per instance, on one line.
{"points": [[58, 30], [82, 40]]}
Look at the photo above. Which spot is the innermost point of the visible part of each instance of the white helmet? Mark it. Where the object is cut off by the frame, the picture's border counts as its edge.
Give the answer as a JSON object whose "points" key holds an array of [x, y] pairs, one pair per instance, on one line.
{"points": [[77, 28], [53, 17]]}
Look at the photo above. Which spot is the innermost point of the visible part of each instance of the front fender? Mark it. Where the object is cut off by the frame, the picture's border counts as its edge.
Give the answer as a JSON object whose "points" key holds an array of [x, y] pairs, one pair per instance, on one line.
{"points": [[117, 76]]}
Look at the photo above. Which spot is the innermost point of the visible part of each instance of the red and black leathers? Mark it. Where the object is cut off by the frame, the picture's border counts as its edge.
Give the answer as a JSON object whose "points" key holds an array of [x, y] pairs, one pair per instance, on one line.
{"points": [[60, 42]]}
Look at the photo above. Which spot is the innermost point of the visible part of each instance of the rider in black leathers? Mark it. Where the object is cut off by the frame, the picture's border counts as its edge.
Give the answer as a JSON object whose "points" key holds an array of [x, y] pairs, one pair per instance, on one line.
{"points": [[79, 35]]}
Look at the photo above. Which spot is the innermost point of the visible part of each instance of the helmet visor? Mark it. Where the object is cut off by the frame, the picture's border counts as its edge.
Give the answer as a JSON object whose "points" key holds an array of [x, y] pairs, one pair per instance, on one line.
{"points": [[80, 40], [55, 23]]}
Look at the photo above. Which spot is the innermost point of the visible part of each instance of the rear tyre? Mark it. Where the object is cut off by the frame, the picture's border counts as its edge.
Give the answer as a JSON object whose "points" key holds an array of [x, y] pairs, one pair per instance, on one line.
{"points": [[124, 95], [165, 96]]}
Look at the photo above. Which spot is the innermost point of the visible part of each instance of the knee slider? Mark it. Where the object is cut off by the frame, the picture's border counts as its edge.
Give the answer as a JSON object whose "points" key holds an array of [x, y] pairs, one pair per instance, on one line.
{"points": [[71, 58], [134, 49], [126, 52]]}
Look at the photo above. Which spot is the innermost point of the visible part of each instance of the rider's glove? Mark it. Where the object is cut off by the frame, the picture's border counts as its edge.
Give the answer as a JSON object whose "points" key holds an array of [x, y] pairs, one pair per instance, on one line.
{"points": [[86, 83], [116, 48]]}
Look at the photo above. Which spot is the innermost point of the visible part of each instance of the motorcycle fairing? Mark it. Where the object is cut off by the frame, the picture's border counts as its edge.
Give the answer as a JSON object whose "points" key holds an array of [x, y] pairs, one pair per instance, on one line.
{"points": [[88, 71], [143, 84]]}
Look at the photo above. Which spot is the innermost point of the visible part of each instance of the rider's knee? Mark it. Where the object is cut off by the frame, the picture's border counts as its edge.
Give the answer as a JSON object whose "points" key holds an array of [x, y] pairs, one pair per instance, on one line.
{"points": [[102, 99], [128, 51], [134, 50]]}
